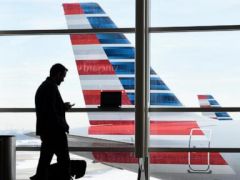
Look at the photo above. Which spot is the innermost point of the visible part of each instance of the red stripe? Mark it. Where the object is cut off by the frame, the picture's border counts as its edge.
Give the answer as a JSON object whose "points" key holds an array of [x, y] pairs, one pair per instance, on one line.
{"points": [[78, 39], [202, 97], [161, 158], [73, 8], [161, 128], [92, 97], [94, 67]]}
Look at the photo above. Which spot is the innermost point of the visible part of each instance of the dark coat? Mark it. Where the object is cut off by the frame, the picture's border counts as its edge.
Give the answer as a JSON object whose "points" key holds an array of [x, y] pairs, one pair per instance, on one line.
{"points": [[50, 109]]}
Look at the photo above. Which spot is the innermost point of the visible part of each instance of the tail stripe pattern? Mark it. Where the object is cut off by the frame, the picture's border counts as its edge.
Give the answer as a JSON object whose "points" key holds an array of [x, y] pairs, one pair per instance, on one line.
{"points": [[208, 101]]}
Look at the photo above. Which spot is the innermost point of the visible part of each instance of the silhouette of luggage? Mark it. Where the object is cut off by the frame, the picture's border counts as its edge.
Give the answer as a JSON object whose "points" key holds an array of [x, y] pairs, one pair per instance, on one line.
{"points": [[78, 169]]}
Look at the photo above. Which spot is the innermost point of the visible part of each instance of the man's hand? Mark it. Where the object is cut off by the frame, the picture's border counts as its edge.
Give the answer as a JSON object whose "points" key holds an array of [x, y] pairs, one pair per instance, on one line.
{"points": [[68, 105]]}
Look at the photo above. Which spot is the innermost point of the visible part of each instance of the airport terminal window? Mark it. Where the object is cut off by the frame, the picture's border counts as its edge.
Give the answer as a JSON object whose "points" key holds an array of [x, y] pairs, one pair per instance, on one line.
{"points": [[187, 70]]}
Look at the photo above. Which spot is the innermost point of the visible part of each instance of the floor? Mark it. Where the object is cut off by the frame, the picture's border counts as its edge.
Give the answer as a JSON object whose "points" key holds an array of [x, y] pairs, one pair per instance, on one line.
{"points": [[27, 162]]}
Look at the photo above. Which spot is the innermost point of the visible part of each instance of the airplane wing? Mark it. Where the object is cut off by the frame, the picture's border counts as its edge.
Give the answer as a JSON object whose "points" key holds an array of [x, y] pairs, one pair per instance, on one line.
{"points": [[209, 101], [90, 142], [113, 159]]}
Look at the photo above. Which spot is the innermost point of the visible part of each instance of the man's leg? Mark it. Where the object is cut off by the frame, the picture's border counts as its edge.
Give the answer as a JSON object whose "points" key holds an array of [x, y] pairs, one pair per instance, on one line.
{"points": [[46, 155], [62, 152]]}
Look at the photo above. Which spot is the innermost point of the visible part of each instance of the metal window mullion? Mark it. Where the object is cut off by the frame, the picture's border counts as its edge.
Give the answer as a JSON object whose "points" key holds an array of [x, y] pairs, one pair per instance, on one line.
{"points": [[139, 79], [147, 77], [131, 149], [147, 91], [120, 30], [194, 29], [151, 109], [64, 31]]}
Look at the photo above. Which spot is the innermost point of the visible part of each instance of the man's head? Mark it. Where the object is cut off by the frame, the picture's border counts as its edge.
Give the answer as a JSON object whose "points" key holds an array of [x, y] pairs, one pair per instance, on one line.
{"points": [[58, 73]]}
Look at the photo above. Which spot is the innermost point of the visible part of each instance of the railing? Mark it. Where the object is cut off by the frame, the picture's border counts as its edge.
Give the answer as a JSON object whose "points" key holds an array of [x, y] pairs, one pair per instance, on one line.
{"points": [[153, 109], [132, 149], [121, 30]]}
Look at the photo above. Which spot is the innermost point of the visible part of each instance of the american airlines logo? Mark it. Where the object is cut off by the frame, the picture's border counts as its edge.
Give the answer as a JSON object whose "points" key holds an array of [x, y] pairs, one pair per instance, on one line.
{"points": [[90, 68]]}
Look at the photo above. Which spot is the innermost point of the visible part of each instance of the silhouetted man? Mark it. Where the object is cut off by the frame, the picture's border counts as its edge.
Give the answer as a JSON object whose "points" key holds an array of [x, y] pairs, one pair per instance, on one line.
{"points": [[51, 124]]}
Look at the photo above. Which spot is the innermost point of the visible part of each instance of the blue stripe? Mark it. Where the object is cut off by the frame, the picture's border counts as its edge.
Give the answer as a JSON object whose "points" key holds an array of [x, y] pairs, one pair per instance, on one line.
{"points": [[213, 102], [152, 72], [131, 97], [119, 52], [112, 38], [155, 83], [166, 99], [216, 106], [222, 114], [224, 119], [209, 97], [123, 67], [101, 22], [127, 83], [91, 8]]}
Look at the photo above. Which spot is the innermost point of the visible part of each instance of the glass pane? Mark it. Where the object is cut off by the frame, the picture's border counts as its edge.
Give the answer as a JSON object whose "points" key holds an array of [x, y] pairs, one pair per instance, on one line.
{"points": [[194, 13], [195, 69], [27, 61], [26, 65], [20, 15]]}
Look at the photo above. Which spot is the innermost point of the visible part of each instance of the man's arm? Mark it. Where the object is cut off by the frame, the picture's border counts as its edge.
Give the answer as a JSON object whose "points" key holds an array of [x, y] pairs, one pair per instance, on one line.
{"points": [[55, 118]]}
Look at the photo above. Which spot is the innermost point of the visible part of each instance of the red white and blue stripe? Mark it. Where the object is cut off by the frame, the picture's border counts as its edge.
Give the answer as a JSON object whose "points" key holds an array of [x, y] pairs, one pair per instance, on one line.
{"points": [[208, 101]]}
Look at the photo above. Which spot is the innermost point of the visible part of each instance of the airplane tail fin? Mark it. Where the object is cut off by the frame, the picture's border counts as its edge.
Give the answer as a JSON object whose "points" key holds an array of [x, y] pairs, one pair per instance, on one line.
{"points": [[105, 62], [208, 101]]}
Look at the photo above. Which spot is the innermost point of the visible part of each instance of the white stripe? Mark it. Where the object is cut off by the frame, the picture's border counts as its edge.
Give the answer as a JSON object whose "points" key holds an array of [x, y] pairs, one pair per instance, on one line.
{"points": [[130, 91], [151, 91], [82, 26], [75, 17], [175, 116], [78, 22], [127, 75], [154, 116], [122, 60], [115, 116], [89, 52], [117, 45], [100, 82], [160, 91], [203, 102], [90, 57], [209, 114]]}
